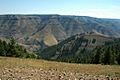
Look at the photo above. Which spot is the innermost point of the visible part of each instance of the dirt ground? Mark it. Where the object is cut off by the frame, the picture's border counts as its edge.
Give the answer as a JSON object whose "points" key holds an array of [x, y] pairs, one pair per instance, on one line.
{"points": [[28, 69]]}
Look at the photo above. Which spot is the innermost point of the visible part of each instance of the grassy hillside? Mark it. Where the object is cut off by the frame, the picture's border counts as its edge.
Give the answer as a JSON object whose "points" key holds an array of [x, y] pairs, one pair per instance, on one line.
{"points": [[50, 40], [15, 68], [88, 48]]}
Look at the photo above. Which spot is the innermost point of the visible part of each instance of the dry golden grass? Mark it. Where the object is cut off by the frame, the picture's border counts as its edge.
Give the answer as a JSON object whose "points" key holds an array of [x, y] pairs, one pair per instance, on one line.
{"points": [[113, 70], [50, 40]]}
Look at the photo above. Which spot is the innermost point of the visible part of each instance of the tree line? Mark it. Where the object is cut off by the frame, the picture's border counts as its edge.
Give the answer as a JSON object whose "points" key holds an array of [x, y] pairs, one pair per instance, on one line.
{"points": [[107, 54], [13, 49]]}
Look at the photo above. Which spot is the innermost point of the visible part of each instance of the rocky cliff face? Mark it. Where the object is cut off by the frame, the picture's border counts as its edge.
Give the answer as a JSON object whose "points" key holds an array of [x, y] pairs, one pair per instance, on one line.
{"points": [[40, 31]]}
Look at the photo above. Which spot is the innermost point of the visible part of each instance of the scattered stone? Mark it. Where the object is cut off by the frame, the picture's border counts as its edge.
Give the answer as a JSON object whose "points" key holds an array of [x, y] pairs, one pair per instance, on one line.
{"points": [[50, 74]]}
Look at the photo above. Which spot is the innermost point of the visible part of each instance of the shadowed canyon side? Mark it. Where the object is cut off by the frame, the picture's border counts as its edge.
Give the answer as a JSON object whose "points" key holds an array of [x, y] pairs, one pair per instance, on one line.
{"points": [[37, 32]]}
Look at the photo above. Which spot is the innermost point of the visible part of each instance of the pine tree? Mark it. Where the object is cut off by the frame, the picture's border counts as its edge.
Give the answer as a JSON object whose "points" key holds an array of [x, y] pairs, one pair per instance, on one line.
{"points": [[11, 48], [97, 57]]}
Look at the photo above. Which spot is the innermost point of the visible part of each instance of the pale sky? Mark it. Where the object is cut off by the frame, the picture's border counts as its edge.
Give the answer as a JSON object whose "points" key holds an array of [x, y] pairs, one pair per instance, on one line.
{"points": [[93, 8]]}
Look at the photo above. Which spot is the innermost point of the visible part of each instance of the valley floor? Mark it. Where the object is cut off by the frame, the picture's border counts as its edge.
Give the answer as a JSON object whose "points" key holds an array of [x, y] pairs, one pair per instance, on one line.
{"points": [[30, 69]]}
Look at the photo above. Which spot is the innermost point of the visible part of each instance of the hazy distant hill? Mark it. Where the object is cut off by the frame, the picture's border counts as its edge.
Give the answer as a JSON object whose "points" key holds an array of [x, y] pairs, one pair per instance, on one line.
{"points": [[40, 31]]}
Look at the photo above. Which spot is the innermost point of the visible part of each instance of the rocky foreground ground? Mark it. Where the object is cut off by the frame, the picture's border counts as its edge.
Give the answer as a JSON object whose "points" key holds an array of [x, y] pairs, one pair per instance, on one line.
{"points": [[40, 74], [18, 69]]}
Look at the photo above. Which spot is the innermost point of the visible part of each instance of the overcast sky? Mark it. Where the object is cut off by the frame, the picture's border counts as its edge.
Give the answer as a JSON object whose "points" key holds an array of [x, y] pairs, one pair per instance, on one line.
{"points": [[94, 8]]}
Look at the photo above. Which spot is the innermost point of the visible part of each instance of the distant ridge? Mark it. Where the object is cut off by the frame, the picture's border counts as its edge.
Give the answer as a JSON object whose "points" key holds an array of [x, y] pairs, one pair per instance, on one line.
{"points": [[31, 30]]}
